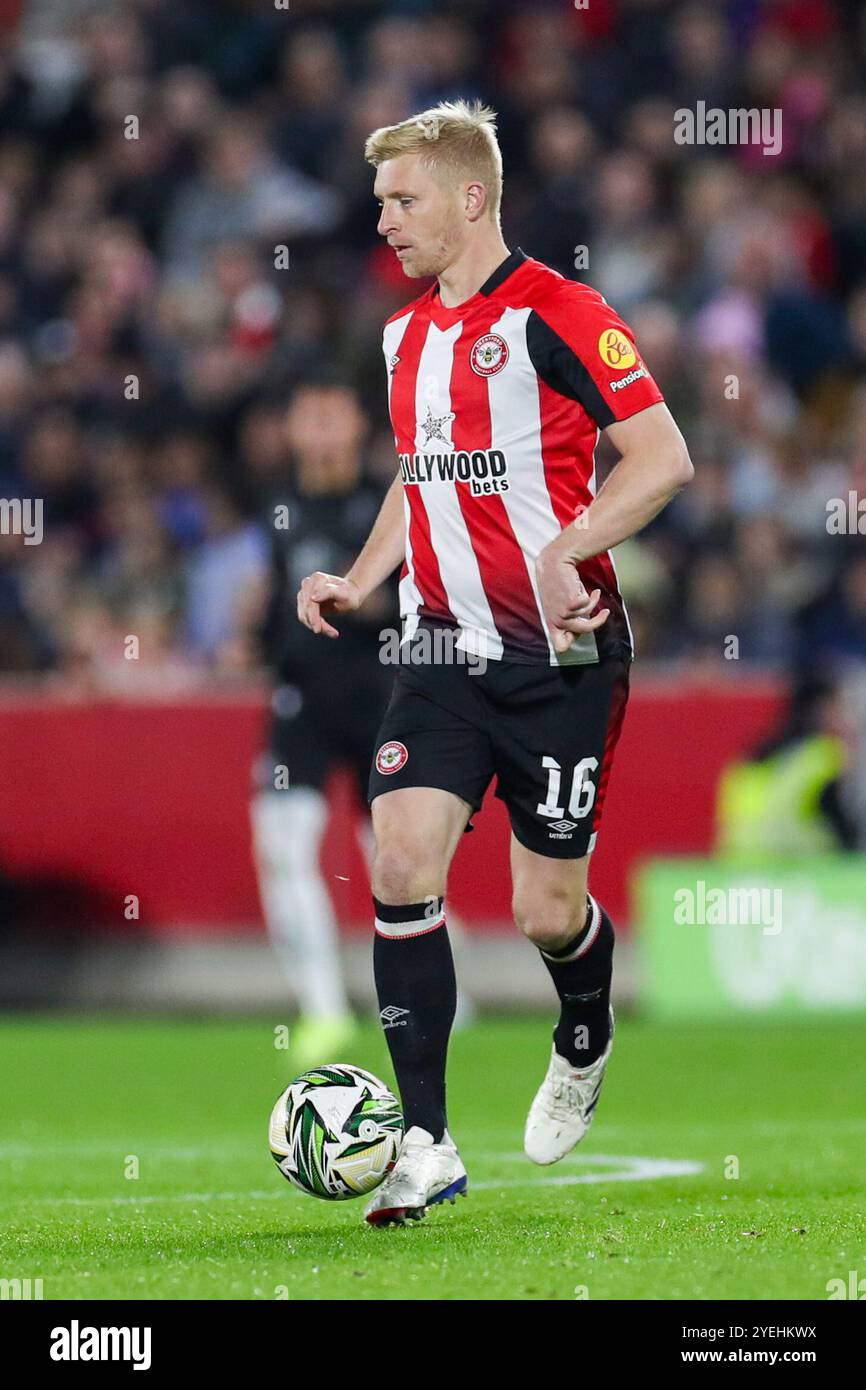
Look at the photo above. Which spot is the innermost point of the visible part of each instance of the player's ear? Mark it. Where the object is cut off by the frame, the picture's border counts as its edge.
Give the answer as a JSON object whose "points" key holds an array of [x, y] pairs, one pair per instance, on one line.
{"points": [[475, 201]]}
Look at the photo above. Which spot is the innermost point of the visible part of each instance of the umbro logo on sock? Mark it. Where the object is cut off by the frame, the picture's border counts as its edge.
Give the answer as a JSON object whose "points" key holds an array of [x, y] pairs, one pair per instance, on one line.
{"points": [[392, 1017], [583, 998]]}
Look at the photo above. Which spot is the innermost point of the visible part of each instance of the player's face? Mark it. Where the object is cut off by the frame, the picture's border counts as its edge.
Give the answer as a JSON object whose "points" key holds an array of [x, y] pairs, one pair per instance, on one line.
{"points": [[421, 216]]}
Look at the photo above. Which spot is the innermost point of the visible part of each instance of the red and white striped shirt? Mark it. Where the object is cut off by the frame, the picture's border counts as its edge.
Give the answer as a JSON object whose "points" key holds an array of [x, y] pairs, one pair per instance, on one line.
{"points": [[496, 407]]}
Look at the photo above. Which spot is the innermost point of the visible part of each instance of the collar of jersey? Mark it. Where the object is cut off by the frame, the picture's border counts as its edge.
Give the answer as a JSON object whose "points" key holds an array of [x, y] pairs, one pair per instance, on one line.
{"points": [[444, 316]]}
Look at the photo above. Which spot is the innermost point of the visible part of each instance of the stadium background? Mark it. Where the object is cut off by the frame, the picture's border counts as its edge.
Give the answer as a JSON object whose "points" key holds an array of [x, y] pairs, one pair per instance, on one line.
{"points": [[152, 259], [726, 1158]]}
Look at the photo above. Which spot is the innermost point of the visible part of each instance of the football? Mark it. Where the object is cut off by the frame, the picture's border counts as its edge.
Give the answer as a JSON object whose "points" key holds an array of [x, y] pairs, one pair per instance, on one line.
{"points": [[336, 1131]]}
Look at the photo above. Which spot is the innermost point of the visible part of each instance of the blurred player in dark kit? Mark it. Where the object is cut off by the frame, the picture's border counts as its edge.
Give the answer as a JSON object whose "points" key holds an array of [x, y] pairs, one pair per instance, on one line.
{"points": [[326, 705]]}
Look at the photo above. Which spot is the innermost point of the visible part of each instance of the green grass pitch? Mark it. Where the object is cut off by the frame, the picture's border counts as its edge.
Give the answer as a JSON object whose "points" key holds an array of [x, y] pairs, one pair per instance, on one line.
{"points": [[643, 1210]]}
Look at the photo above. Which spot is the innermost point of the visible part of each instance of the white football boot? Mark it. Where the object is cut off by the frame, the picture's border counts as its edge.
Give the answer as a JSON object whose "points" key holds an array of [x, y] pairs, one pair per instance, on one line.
{"points": [[563, 1108], [424, 1174]]}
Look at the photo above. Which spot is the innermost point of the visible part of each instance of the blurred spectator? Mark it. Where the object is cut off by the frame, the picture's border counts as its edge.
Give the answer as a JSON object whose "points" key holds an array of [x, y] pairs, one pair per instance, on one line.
{"points": [[224, 572], [164, 289]]}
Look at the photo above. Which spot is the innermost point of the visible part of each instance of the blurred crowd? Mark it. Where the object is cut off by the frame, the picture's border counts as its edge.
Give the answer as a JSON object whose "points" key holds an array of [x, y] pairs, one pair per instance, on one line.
{"points": [[187, 231]]}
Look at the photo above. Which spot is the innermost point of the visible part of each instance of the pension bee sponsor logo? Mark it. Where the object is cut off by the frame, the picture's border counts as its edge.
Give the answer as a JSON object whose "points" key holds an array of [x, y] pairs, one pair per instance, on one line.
{"points": [[484, 470], [623, 381], [615, 350]]}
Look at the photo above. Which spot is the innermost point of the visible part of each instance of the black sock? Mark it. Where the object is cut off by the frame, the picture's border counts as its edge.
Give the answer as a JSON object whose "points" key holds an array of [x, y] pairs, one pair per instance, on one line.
{"points": [[583, 986], [417, 992]]}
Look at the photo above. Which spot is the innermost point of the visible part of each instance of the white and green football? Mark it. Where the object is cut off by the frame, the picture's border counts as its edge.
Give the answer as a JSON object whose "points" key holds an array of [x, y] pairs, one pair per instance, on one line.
{"points": [[336, 1131]]}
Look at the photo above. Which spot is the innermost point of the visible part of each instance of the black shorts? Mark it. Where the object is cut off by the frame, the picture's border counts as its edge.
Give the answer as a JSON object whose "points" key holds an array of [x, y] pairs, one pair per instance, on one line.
{"points": [[547, 733], [316, 727]]}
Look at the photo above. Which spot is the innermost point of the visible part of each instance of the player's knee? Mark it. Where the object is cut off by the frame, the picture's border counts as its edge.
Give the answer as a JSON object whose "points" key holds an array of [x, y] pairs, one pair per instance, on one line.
{"points": [[403, 874], [549, 920]]}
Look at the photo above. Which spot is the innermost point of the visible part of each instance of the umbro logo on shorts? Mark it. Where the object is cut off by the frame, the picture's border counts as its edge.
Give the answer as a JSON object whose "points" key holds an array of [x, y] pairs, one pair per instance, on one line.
{"points": [[391, 757], [564, 827], [392, 1017]]}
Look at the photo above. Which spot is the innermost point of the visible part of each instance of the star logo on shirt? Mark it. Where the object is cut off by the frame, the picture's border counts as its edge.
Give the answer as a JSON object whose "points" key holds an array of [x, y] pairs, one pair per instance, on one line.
{"points": [[432, 427]]}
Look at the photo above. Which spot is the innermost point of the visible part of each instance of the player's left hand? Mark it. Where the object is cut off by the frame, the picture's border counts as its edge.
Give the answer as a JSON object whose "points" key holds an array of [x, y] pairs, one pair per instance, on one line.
{"points": [[568, 607], [322, 594]]}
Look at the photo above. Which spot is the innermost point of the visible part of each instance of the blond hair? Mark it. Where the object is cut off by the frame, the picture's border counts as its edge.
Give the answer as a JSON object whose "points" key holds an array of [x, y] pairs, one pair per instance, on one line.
{"points": [[454, 136]]}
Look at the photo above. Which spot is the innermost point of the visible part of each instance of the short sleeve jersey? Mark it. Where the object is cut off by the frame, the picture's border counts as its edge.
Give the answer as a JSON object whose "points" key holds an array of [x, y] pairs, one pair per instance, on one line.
{"points": [[496, 407]]}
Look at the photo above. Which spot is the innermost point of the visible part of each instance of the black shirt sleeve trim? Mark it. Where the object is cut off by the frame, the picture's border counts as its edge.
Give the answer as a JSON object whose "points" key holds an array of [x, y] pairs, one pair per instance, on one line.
{"points": [[559, 366]]}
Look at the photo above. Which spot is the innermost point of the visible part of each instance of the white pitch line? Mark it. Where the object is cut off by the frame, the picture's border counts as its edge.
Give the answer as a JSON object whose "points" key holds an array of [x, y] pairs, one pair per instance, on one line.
{"points": [[16, 1149], [611, 1160], [631, 1170], [151, 1199], [625, 1168]]}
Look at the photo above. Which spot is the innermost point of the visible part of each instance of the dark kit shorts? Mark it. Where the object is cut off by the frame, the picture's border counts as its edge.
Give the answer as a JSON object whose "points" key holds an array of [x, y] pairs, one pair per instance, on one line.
{"points": [[547, 733]]}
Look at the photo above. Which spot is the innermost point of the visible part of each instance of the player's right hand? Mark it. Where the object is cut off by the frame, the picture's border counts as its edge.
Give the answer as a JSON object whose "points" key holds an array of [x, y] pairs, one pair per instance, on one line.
{"points": [[326, 593]]}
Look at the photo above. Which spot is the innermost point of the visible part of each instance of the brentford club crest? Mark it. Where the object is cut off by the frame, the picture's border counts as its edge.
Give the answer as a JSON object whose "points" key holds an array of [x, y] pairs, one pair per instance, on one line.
{"points": [[391, 757], [489, 355]]}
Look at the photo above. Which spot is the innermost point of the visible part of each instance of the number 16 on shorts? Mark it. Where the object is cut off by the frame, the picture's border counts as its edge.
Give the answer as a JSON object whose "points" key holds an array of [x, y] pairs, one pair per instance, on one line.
{"points": [[581, 796]]}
